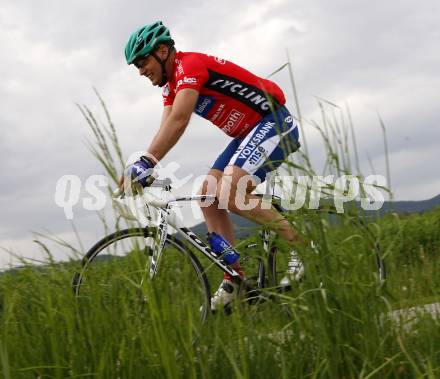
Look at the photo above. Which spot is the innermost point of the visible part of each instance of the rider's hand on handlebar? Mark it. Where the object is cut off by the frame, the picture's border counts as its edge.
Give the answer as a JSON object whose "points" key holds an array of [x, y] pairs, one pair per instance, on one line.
{"points": [[140, 173]]}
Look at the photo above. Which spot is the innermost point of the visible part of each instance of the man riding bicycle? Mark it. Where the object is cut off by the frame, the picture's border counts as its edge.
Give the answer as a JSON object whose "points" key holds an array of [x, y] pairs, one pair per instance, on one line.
{"points": [[246, 107]]}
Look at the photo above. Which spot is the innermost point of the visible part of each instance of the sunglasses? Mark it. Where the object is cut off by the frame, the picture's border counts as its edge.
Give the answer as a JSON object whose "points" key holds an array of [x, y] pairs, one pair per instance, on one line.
{"points": [[140, 61]]}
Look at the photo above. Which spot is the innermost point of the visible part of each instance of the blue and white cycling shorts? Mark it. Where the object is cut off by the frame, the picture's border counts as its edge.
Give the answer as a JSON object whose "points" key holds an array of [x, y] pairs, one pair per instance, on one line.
{"points": [[265, 147]]}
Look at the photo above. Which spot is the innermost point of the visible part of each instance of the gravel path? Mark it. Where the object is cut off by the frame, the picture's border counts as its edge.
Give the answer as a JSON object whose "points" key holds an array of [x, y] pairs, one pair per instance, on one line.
{"points": [[408, 316]]}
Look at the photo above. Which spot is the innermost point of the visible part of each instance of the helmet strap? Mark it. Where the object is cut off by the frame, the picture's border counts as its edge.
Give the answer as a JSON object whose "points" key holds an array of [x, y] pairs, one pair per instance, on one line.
{"points": [[162, 64]]}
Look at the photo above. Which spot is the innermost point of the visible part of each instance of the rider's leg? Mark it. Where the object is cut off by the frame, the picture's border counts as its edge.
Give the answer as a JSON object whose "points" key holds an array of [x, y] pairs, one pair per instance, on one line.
{"points": [[235, 194], [249, 155], [217, 219]]}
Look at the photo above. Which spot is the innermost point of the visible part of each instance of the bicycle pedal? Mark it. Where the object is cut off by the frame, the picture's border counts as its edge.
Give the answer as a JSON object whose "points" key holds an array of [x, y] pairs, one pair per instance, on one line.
{"points": [[282, 289], [253, 296], [227, 309]]}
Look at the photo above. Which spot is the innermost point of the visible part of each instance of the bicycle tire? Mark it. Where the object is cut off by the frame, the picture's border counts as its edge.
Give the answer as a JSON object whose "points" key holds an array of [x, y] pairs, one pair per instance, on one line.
{"points": [[137, 272], [274, 275], [372, 241]]}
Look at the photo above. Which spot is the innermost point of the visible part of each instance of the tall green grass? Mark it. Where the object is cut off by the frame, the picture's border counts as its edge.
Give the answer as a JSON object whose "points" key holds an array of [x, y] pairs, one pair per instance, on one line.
{"points": [[335, 324], [336, 330]]}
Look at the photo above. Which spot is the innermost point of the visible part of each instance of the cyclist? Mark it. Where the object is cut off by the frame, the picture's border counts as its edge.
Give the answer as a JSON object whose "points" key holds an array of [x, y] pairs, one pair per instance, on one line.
{"points": [[246, 107]]}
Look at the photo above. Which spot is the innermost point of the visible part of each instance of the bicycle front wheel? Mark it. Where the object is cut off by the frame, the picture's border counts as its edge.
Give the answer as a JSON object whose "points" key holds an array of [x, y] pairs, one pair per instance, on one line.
{"points": [[115, 275]]}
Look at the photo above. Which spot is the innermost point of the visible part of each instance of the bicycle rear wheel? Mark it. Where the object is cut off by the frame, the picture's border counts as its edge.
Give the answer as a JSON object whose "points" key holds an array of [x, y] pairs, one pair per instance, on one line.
{"points": [[115, 275], [369, 262], [373, 264]]}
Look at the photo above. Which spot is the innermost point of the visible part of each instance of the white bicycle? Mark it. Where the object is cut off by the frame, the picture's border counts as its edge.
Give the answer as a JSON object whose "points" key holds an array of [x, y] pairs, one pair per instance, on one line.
{"points": [[166, 271]]}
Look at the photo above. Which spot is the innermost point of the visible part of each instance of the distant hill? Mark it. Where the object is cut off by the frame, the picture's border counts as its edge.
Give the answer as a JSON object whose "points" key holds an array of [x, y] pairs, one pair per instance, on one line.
{"points": [[410, 206], [244, 227]]}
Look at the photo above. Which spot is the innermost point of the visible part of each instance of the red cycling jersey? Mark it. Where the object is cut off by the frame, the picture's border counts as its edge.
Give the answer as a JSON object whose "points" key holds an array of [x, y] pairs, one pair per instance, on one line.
{"points": [[230, 97]]}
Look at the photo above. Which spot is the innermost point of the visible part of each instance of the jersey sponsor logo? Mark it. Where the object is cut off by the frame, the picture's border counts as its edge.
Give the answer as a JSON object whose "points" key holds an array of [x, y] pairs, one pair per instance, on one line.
{"points": [[179, 67], [232, 122], [257, 156], [217, 59], [250, 95], [217, 113], [186, 80], [288, 120], [204, 105], [252, 148]]}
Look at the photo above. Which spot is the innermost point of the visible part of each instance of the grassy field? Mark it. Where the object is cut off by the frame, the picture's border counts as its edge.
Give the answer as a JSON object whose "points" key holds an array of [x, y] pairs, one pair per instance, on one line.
{"points": [[336, 329]]}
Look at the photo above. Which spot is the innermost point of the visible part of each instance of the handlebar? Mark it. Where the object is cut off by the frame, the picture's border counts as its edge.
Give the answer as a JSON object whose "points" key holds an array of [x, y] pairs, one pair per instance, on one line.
{"points": [[158, 183], [163, 183], [158, 202]]}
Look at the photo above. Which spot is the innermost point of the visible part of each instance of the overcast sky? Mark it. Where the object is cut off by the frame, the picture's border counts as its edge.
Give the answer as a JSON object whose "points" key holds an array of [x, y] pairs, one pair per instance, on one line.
{"points": [[376, 56]]}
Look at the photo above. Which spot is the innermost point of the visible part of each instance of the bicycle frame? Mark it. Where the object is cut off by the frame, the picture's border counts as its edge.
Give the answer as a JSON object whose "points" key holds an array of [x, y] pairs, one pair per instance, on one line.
{"points": [[166, 217], [191, 237]]}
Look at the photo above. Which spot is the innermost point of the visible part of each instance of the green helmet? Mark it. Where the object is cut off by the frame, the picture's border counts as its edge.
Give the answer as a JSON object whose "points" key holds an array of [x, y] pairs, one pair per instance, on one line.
{"points": [[144, 40]]}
